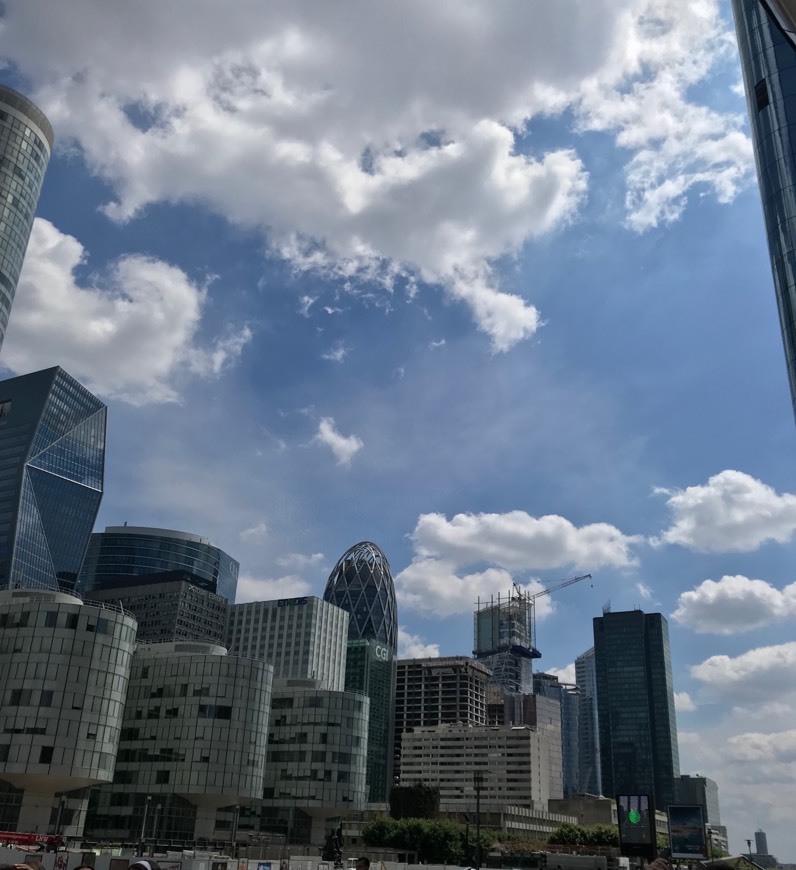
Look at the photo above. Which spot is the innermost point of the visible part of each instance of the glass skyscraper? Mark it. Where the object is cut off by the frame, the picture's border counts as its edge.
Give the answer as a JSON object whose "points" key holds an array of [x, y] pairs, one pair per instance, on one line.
{"points": [[52, 459], [635, 704], [120, 554], [361, 583], [26, 139], [568, 697], [768, 61], [590, 780]]}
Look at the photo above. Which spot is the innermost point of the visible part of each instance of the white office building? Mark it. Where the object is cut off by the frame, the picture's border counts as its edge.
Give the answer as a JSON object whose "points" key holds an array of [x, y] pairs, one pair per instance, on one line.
{"points": [[303, 638]]}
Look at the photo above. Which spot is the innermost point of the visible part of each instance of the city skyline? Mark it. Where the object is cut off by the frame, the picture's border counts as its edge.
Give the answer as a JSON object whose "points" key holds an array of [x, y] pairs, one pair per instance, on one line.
{"points": [[250, 246]]}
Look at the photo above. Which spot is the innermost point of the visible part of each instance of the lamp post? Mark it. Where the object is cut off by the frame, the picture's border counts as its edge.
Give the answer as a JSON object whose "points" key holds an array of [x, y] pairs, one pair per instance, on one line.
{"points": [[143, 825], [478, 782], [156, 827], [61, 805], [235, 815]]}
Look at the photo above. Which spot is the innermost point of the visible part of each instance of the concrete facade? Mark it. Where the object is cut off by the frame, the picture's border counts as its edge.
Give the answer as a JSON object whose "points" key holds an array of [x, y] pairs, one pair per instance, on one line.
{"points": [[514, 762], [64, 671]]}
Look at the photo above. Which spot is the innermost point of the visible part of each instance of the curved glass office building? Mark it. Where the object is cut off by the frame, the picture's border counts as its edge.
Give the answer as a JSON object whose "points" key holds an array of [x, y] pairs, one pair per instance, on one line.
{"points": [[26, 139], [118, 555], [768, 60], [361, 583]]}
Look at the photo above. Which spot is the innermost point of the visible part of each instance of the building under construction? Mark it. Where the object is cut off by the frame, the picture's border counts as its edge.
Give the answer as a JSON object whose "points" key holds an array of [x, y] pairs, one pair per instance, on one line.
{"points": [[504, 639]]}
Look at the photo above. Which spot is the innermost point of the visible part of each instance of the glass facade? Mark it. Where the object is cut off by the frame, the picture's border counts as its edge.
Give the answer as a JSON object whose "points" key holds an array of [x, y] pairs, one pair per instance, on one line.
{"points": [[768, 63], [635, 701], [361, 583], [121, 553], [590, 779], [568, 698], [703, 791], [52, 457], [26, 139]]}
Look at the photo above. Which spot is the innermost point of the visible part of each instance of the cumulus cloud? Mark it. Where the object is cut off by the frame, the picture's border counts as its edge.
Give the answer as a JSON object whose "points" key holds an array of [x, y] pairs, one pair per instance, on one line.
{"points": [[252, 588], [518, 541], [565, 674], [758, 673], [683, 702], [344, 447], [731, 513], [130, 334], [412, 646], [300, 562], [734, 604], [754, 746], [335, 132]]}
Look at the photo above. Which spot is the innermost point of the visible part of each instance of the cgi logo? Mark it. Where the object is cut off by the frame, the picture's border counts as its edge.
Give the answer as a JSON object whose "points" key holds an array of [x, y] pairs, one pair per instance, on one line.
{"points": [[381, 653], [290, 602]]}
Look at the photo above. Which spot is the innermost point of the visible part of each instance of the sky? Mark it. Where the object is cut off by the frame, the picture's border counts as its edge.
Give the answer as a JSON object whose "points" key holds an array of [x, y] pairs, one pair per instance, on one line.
{"points": [[483, 282]]}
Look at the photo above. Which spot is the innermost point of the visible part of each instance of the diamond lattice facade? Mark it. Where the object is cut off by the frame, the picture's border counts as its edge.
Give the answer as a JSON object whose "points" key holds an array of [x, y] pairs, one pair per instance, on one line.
{"points": [[361, 584], [52, 459]]}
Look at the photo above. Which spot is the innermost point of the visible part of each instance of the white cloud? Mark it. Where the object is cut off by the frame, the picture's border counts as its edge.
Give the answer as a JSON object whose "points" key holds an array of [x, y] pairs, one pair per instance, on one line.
{"points": [[518, 541], [412, 646], [344, 447], [732, 513], [255, 533], [683, 702], [336, 353], [267, 589], [756, 747], [565, 674], [133, 337], [644, 591], [300, 562], [758, 673], [734, 604], [335, 131]]}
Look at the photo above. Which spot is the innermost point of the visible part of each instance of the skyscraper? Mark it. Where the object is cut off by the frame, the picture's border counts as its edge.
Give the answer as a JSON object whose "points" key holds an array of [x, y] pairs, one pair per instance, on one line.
{"points": [[635, 703], [361, 583], [768, 60], [52, 458], [26, 139], [503, 640], [133, 555], [568, 698], [590, 780]]}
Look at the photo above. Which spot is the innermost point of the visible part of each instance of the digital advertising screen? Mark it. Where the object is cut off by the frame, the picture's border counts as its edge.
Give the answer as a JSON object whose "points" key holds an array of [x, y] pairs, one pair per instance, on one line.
{"points": [[636, 825], [687, 831]]}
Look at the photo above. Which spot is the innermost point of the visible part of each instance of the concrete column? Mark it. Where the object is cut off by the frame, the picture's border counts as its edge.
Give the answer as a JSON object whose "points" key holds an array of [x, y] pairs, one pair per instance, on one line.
{"points": [[205, 822], [34, 814]]}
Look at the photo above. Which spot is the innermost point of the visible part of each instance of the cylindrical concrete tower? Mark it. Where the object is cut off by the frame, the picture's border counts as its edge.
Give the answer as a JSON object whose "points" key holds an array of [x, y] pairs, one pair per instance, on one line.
{"points": [[64, 669], [26, 139]]}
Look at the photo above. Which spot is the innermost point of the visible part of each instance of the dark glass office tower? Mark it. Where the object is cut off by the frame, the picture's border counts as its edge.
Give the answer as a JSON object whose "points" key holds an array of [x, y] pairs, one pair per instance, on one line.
{"points": [[52, 459], [768, 62], [123, 556], [26, 139], [635, 704], [361, 583]]}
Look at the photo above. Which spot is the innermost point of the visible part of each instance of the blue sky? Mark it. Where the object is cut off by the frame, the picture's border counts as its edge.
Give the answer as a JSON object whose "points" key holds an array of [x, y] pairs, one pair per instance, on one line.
{"points": [[485, 283]]}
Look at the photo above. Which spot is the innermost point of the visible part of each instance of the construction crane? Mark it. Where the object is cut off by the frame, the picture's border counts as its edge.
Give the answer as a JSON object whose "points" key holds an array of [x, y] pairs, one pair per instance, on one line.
{"points": [[509, 623], [541, 594]]}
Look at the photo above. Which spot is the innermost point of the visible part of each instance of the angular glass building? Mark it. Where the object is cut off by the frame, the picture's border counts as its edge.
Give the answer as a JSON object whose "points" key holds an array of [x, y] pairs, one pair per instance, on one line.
{"points": [[26, 139], [52, 460], [590, 779], [768, 60], [635, 704], [120, 554], [361, 583]]}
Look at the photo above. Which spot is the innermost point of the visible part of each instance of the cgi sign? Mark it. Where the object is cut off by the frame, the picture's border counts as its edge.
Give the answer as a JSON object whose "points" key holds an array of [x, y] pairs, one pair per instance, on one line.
{"points": [[381, 653]]}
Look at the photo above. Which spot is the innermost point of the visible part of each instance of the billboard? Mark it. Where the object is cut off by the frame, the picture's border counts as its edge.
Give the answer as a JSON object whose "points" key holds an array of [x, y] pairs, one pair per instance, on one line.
{"points": [[687, 831], [636, 817]]}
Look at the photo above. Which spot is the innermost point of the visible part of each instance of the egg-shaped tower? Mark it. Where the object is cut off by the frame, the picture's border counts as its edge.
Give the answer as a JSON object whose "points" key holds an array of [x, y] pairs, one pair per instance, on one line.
{"points": [[361, 584]]}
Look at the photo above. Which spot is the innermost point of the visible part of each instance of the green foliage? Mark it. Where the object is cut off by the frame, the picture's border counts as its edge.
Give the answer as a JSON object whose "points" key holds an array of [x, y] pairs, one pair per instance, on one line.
{"points": [[577, 835], [416, 801], [434, 841]]}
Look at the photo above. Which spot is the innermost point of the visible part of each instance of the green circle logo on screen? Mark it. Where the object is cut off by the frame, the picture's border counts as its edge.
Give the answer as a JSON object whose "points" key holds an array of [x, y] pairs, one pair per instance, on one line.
{"points": [[634, 817]]}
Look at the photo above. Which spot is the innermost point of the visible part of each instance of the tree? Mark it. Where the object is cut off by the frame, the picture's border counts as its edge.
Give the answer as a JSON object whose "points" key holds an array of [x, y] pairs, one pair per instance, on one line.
{"points": [[435, 841], [416, 801], [601, 835], [567, 835]]}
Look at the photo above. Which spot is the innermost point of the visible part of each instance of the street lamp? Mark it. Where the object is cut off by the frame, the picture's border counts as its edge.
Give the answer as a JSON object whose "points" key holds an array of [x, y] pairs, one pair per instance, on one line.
{"points": [[61, 805], [478, 784], [143, 825], [235, 815]]}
